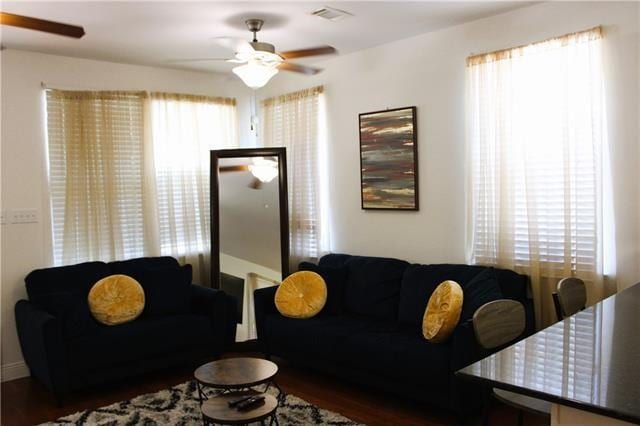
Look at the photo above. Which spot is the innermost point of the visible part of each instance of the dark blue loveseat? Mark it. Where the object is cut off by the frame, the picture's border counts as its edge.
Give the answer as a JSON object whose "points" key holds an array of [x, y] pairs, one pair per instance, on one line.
{"points": [[370, 330], [67, 350]]}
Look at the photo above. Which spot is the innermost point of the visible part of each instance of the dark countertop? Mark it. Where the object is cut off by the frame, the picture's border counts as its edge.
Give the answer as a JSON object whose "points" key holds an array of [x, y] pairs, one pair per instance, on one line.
{"points": [[590, 361]]}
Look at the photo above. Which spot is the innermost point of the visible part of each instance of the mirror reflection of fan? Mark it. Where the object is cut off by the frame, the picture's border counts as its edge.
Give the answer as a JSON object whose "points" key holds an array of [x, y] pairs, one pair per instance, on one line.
{"points": [[264, 170], [259, 60], [43, 25]]}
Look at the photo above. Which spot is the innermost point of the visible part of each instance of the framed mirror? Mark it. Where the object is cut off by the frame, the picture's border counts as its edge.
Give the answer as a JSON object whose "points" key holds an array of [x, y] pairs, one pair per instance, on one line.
{"points": [[249, 225]]}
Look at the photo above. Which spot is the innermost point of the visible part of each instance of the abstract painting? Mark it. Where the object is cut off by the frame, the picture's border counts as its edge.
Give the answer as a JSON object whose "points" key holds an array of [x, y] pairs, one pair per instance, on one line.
{"points": [[389, 159]]}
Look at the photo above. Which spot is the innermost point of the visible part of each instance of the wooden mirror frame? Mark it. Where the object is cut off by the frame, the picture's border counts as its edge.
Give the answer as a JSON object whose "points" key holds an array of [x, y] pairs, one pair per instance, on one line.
{"points": [[214, 180]]}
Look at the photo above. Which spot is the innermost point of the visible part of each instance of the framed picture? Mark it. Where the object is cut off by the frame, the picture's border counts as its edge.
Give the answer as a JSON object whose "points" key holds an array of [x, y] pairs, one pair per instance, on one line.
{"points": [[389, 159]]}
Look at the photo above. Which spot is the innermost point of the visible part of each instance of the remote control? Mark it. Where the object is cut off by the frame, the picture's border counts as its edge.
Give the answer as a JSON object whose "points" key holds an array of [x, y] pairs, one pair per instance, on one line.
{"points": [[235, 402], [251, 402]]}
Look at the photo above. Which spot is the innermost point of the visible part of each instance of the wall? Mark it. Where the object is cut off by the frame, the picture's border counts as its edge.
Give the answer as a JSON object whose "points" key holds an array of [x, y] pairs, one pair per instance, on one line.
{"points": [[24, 246], [429, 71]]}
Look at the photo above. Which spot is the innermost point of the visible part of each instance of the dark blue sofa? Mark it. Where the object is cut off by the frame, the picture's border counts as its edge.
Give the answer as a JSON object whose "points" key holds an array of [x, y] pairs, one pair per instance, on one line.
{"points": [[372, 332], [67, 350]]}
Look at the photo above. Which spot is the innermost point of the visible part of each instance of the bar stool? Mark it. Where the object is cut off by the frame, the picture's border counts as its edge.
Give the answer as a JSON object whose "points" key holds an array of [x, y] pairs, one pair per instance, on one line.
{"points": [[570, 297], [497, 324]]}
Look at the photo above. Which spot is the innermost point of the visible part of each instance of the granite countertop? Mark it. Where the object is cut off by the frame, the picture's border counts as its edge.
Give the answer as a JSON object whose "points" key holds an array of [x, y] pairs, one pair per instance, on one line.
{"points": [[589, 361]]}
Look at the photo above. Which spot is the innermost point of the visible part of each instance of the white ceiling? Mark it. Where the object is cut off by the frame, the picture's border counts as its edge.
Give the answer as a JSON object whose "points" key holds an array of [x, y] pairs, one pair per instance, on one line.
{"points": [[158, 33]]}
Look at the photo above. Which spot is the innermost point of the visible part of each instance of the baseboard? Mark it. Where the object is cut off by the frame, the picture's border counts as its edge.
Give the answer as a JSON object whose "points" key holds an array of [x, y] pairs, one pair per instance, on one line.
{"points": [[14, 370]]}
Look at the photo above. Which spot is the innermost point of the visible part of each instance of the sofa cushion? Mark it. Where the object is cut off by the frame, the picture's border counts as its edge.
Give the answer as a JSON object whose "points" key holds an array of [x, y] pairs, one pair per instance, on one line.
{"points": [[137, 341], [336, 280], [483, 288], [74, 279], [166, 289], [321, 336], [373, 286], [399, 355], [419, 282], [116, 299], [301, 295], [135, 267]]}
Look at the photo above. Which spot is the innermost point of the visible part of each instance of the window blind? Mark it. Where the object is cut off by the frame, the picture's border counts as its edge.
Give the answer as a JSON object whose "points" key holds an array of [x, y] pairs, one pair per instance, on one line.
{"points": [[293, 121], [535, 138], [95, 174]]}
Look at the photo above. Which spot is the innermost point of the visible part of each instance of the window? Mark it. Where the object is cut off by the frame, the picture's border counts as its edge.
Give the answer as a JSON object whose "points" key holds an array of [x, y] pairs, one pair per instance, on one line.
{"points": [[184, 130], [95, 175], [294, 121], [129, 173], [536, 136]]}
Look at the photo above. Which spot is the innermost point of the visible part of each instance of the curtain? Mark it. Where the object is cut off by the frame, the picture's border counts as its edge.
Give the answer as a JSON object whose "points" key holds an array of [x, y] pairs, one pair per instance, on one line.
{"points": [[95, 175], [182, 129], [293, 121], [129, 174], [536, 134]]}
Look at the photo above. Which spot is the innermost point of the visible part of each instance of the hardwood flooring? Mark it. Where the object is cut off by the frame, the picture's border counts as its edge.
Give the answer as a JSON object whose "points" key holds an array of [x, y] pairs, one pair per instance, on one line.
{"points": [[27, 402]]}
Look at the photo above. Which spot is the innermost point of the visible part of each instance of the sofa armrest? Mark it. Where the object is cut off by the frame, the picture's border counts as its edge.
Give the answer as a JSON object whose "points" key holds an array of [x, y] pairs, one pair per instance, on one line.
{"points": [[264, 305], [43, 347], [221, 310]]}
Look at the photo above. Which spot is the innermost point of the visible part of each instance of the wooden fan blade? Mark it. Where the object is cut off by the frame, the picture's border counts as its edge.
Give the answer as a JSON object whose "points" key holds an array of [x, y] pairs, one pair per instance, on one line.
{"points": [[303, 69], [302, 53], [41, 25], [255, 184], [224, 169]]}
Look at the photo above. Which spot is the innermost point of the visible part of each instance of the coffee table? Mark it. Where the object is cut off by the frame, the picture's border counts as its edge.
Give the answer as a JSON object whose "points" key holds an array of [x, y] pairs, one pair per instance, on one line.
{"points": [[230, 376], [216, 410]]}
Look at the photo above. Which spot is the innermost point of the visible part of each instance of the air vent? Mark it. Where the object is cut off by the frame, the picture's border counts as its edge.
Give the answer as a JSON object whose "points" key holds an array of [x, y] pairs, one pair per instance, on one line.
{"points": [[331, 14]]}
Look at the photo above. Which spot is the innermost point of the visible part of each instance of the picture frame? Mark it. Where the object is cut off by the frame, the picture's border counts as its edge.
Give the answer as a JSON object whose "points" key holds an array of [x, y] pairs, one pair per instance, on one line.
{"points": [[389, 159]]}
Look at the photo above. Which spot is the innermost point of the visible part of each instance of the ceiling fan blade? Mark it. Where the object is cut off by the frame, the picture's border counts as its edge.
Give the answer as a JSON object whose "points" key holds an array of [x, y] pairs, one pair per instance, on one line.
{"points": [[235, 44], [255, 184], [240, 168], [198, 60], [314, 51], [41, 25], [303, 69]]}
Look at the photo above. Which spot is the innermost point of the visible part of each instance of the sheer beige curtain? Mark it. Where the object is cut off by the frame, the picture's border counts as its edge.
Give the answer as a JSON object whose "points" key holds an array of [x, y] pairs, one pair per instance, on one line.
{"points": [[536, 135], [95, 175], [181, 130], [293, 121]]}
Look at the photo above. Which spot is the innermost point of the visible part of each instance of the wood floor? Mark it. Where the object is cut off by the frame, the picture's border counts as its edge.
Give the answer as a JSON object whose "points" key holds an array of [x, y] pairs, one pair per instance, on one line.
{"points": [[27, 402]]}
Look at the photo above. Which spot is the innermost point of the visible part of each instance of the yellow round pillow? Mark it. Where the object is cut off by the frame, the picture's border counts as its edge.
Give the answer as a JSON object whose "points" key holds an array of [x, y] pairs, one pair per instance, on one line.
{"points": [[116, 299], [301, 295], [443, 312]]}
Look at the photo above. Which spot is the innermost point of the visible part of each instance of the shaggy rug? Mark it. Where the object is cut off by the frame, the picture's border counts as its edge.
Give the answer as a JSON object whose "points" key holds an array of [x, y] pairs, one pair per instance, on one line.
{"points": [[179, 406]]}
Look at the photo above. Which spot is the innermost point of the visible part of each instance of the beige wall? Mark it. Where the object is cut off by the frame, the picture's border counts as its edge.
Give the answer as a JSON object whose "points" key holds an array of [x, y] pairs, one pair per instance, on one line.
{"points": [[429, 71], [25, 246]]}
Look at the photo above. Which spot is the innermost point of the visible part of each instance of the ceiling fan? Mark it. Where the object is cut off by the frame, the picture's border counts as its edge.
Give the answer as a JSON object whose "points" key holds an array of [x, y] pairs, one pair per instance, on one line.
{"points": [[263, 169], [43, 25], [260, 60]]}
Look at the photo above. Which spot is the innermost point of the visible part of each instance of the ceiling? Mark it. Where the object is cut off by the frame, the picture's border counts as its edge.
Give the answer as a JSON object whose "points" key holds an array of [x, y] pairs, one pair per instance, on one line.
{"points": [[162, 33]]}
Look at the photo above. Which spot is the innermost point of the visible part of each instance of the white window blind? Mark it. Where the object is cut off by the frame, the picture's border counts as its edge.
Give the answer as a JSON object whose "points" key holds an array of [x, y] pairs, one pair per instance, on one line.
{"points": [[535, 135], [184, 128], [95, 167], [293, 121]]}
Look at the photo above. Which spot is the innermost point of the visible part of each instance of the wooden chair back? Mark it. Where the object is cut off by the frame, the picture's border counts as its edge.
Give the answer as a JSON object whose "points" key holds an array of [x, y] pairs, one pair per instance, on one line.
{"points": [[498, 323]]}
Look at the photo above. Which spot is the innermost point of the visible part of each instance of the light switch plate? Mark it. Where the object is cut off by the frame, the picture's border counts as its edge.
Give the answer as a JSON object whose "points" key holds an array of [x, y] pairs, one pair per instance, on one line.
{"points": [[24, 216]]}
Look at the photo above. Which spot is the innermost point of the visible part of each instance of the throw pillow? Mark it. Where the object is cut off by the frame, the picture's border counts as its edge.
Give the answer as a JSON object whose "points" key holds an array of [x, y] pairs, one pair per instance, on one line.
{"points": [[336, 280], [301, 295], [481, 289], [443, 312], [116, 299], [167, 289]]}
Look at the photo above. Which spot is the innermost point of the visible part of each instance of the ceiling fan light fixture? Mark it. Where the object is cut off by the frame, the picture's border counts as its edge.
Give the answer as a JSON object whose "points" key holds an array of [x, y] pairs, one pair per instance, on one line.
{"points": [[263, 169], [255, 74]]}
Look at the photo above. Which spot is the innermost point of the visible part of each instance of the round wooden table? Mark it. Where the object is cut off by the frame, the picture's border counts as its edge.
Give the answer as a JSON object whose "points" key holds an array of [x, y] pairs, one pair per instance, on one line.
{"points": [[233, 375], [217, 411]]}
